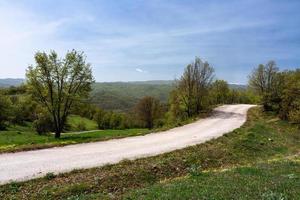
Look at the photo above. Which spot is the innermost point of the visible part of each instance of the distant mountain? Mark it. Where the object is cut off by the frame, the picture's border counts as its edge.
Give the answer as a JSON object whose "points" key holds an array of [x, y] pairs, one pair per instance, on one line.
{"points": [[152, 82], [7, 82], [238, 86]]}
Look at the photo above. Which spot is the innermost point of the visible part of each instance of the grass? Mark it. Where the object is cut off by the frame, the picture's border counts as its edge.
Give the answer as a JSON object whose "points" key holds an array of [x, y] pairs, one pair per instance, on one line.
{"points": [[268, 180], [26, 139], [224, 165], [78, 123]]}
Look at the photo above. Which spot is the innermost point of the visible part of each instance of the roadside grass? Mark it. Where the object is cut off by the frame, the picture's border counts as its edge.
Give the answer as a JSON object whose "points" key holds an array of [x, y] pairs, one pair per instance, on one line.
{"points": [[13, 141], [263, 137], [277, 180]]}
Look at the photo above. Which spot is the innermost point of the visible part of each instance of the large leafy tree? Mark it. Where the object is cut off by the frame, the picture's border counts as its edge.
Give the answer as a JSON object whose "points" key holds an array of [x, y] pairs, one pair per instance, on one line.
{"points": [[58, 83], [192, 87], [266, 81], [204, 75]]}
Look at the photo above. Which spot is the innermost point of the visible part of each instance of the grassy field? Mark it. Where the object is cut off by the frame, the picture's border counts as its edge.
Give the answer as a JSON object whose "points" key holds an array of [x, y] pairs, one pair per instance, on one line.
{"points": [[25, 139], [276, 180], [78, 123], [263, 155], [19, 138]]}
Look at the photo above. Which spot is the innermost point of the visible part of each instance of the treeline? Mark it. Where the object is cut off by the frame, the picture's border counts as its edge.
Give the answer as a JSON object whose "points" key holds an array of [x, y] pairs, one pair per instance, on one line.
{"points": [[197, 91], [56, 88], [279, 90]]}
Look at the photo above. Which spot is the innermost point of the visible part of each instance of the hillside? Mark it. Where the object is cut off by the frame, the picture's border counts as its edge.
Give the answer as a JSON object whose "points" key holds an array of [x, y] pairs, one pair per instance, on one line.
{"points": [[7, 82], [122, 96]]}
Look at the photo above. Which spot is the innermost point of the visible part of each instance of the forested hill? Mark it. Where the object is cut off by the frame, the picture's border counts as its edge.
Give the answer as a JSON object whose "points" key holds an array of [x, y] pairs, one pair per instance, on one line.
{"points": [[122, 96], [7, 82]]}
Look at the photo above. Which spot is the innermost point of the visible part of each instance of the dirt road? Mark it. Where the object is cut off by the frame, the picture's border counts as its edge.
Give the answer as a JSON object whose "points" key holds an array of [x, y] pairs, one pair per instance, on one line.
{"points": [[31, 164]]}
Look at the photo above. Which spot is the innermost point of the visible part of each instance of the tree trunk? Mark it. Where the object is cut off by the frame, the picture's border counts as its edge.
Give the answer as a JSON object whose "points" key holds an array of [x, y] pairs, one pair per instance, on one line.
{"points": [[57, 134]]}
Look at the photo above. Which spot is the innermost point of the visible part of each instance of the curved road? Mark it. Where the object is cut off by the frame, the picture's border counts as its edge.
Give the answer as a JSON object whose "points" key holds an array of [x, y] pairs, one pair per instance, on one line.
{"points": [[32, 164]]}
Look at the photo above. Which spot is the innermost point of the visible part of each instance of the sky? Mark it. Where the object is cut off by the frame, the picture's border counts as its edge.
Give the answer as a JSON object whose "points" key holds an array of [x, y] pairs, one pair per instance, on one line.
{"points": [[135, 40]]}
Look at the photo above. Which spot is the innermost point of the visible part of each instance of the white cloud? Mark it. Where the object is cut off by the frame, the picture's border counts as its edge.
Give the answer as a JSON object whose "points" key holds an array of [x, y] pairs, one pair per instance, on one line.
{"points": [[140, 70]]}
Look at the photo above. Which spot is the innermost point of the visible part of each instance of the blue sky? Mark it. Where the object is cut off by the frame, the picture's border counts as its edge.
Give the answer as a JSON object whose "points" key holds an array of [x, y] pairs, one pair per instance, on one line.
{"points": [[130, 40]]}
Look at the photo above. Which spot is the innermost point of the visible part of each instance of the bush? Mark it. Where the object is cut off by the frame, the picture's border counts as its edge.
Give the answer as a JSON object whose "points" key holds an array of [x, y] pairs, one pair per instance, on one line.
{"points": [[294, 116], [43, 124], [5, 111], [50, 176], [99, 118], [113, 120], [24, 109]]}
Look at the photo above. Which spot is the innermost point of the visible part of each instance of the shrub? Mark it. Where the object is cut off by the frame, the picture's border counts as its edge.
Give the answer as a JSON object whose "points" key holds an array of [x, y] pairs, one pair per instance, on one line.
{"points": [[294, 116], [43, 124], [50, 176], [5, 111], [24, 109], [81, 126]]}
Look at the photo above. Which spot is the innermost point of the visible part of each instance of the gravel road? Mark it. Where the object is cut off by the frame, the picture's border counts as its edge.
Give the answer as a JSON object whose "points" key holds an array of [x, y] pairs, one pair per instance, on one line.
{"points": [[32, 164]]}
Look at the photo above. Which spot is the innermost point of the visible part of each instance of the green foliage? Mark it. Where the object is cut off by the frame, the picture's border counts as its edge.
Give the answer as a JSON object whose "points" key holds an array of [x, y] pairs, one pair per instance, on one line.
{"points": [[84, 109], [192, 89], [149, 111], [176, 112], [267, 82], [5, 111], [99, 118], [24, 109], [279, 91], [15, 90], [43, 124], [57, 83], [290, 102], [113, 120], [50, 176], [219, 92]]}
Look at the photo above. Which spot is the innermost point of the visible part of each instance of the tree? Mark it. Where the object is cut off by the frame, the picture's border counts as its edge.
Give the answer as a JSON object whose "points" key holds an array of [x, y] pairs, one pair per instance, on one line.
{"points": [[186, 87], [148, 110], [192, 87], [99, 118], [204, 75], [266, 81], [220, 92], [290, 105], [58, 83], [5, 110]]}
